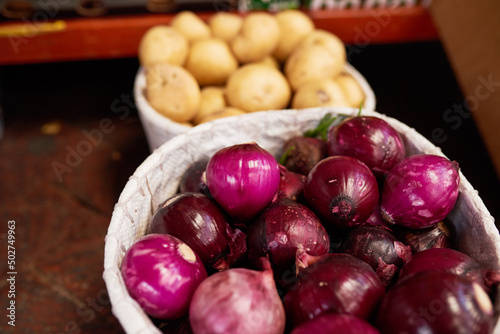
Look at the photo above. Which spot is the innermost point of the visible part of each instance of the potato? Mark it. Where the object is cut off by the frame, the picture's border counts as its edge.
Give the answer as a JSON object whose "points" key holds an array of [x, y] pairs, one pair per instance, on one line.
{"points": [[269, 61], [188, 124], [258, 37], [225, 112], [255, 87], [162, 44], [172, 91], [210, 61], [330, 41], [351, 88], [321, 93], [296, 26], [190, 26], [225, 25], [310, 63], [212, 100]]}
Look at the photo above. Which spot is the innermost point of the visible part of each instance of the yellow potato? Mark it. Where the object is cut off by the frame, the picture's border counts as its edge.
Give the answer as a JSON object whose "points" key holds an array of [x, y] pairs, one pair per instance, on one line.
{"points": [[210, 61], [321, 93], [225, 112], [172, 91], [258, 37], [351, 88], [212, 100], [269, 61], [310, 63], [188, 124], [190, 26], [255, 87], [225, 25], [162, 44], [296, 25], [330, 41]]}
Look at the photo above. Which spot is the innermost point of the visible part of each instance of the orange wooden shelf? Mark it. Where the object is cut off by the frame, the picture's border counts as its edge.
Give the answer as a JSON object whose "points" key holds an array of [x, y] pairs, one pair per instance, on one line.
{"points": [[119, 36]]}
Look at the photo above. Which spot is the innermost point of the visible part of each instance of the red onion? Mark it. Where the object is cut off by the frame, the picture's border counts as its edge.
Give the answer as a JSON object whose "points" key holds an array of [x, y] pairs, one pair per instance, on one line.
{"points": [[301, 154], [453, 261], [435, 302], [379, 248], [376, 219], [420, 191], [291, 184], [304, 260], [193, 179], [243, 179], [161, 273], [335, 283], [237, 300], [342, 190], [282, 228], [436, 236], [236, 243], [336, 323], [199, 222], [369, 139]]}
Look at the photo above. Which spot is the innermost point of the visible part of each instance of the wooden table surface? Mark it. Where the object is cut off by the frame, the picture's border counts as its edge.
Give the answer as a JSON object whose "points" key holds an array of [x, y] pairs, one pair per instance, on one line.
{"points": [[60, 175]]}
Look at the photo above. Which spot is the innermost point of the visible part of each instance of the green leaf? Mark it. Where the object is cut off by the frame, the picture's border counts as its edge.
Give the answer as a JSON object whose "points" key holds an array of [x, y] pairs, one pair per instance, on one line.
{"points": [[284, 157], [361, 107], [322, 128]]}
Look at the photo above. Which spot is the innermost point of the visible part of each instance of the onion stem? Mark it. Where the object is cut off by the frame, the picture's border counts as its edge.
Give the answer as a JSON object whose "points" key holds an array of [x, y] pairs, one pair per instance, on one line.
{"points": [[285, 155], [361, 107], [324, 125], [186, 252]]}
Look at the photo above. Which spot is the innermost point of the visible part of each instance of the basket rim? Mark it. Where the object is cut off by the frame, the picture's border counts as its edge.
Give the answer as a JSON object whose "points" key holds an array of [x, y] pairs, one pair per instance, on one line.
{"points": [[111, 275], [156, 124]]}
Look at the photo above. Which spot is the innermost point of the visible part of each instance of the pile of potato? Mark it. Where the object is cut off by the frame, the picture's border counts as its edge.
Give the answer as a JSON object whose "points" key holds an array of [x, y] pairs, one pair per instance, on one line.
{"points": [[197, 71]]}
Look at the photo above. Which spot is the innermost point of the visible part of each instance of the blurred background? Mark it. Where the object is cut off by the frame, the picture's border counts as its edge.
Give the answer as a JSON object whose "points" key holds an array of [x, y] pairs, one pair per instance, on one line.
{"points": [[65, 66]]}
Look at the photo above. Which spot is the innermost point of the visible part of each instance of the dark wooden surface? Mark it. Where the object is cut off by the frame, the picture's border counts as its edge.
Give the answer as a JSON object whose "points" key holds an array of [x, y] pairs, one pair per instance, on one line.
{"points": [[62, 202]]}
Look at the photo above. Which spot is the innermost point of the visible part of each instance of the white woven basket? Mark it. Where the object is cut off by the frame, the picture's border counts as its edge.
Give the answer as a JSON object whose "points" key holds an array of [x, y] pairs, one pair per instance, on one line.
{"points": [[159, 129], [157, 178]]}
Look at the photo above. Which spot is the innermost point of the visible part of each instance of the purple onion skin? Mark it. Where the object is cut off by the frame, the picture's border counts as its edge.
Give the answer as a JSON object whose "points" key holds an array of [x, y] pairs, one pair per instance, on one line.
{"points": [[379, 248], [195, 219], [243, 179], [451, 260], [291, 185], [436, 236], [193, 179], [303, 153], [420, 191], [161, 273], [435, 302], [280, 230], [336, 283], [369, 139], [342, 190], [237, 300], [375, 219], [336, 323], [237, 245]]}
